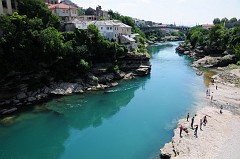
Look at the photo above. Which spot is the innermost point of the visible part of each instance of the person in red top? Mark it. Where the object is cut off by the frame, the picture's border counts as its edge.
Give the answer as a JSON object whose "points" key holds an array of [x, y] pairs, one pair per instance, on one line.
{"points": [[181, 129]]}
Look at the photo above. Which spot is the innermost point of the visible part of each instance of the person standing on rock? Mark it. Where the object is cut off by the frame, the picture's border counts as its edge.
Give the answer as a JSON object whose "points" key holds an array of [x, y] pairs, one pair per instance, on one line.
{"points": [[196, 129], [201, 122], [211, 98], [192, 122], [187, 116], [221, 109], [205, 120], [181, 129]]}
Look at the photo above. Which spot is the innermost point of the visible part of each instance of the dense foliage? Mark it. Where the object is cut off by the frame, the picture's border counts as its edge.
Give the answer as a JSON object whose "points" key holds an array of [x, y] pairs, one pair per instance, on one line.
{"points": [[218, 39], [30, 41]]}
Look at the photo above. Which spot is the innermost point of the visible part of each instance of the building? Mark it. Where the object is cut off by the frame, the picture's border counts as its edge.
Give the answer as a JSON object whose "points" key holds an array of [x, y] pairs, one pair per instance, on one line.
{"points": [[51, 1], [69, 2], [87, 18], [8, 6], [139, 23], [101, 13], [65, 12], [207, 26], [149, 23], [109, 29]]}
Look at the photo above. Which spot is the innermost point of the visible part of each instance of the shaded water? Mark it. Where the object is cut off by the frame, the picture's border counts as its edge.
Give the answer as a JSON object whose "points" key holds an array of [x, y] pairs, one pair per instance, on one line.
{"points": [[130, 121]]}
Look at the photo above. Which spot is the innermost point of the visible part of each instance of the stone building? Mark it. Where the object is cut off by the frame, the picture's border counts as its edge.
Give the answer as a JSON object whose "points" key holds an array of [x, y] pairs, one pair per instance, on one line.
{"points": [[8, 6]]}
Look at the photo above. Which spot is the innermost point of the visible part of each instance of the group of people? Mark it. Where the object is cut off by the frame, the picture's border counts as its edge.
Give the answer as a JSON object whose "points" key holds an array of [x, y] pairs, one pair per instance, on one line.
{"points": [[203, 121]]}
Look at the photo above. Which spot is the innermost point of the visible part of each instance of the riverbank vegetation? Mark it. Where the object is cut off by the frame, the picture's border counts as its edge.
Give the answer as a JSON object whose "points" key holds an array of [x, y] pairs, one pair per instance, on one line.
{"points": [[31, 40], [218, 40]]}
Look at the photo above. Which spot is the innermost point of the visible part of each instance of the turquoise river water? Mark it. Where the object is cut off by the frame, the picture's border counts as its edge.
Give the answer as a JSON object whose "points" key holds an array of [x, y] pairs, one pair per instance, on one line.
{"points": [[130, 121]]}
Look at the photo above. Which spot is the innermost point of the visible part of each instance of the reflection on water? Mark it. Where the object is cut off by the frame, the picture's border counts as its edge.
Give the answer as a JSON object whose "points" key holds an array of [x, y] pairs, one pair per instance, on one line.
{"points": [[25, 131], [132, 120]]}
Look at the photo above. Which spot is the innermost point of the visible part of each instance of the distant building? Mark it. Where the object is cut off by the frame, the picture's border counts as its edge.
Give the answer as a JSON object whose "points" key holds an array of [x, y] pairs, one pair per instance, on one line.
{"points": [[8, 6], [139, 22], [87, 18], [65, 12], [69, 2], [109, 29], [149, 23], [51, 1], [207, 26], [101, 13]]}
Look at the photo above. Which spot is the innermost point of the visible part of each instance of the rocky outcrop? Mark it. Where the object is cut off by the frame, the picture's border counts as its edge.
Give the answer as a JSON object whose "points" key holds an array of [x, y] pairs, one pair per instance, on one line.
{"points": [[138, 64], [18, 91], [205, 57], [214, 61]]}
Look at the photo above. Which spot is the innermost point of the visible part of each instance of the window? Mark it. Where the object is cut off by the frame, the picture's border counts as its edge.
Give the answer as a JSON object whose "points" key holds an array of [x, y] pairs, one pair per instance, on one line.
{"points": [[63, 10], [66, 11], [101, 28], [107, 28], [52, 2], [110, 28], [13, 4], [4, 3], [115, 35]]}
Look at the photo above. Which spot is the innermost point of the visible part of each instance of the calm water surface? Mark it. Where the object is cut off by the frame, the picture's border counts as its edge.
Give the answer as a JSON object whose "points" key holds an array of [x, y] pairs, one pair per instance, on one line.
{"points": [[130, 121]]}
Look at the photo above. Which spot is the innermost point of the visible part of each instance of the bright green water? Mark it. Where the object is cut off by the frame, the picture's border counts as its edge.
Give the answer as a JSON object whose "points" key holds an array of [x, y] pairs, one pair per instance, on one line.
{"points": [[130, 121]]}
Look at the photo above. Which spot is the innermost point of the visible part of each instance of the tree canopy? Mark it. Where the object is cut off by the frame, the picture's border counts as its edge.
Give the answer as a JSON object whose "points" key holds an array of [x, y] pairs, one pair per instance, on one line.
{"points": [[217, 40], [30, 41]]}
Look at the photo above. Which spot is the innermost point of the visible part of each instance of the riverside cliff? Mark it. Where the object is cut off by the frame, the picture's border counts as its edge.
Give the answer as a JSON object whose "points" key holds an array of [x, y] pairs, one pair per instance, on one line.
{"points": [[19, 91]]}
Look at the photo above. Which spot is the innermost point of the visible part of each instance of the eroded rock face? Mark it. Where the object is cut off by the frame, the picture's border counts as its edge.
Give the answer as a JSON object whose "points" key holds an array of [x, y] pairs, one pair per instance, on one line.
{"points": [[217, 61], [21, 96], [27, 89]]}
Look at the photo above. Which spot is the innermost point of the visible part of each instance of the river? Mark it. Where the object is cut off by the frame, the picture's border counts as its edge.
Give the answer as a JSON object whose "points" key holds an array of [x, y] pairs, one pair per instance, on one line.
{"points": [[130, 121]]}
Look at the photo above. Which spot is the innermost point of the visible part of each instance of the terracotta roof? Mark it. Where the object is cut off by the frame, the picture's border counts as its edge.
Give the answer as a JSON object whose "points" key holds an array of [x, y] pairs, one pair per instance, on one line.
{"points": [[207, 25], [60, 5]]}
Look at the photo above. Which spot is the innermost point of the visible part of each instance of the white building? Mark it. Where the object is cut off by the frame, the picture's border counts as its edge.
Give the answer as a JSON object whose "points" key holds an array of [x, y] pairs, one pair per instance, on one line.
{"points": [[109, 29]]}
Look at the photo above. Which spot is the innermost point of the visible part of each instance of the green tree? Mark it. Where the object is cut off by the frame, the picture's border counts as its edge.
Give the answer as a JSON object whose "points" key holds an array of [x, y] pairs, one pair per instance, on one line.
{"points": [[218, 37], [90, 11], [232, 20], [224, 20], [197, 36], [37, 8], [52, 44], [216, 21]]}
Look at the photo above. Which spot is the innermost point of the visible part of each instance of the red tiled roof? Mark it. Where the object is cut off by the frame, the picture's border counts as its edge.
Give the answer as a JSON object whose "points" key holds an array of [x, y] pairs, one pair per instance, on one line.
{"points": [[207, 25], [60, 5]]}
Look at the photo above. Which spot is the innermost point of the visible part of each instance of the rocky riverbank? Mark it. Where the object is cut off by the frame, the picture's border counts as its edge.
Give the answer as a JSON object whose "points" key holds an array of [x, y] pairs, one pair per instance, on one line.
{"points": [[16, 92], [219, 138], [202, 57]]}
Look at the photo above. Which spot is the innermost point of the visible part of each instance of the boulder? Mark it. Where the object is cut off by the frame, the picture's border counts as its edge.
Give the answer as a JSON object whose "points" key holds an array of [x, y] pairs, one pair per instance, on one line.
{"points": [[21, 96], [216, 61], [9, 110], [46, 90], [167, 151], [31, 99], [16, 101]]}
